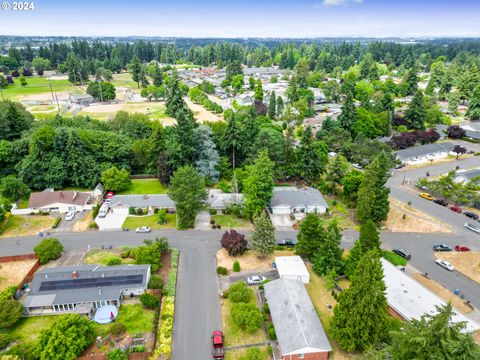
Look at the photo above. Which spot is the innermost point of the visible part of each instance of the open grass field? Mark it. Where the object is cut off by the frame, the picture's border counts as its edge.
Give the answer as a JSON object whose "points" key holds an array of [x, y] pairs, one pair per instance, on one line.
{"points": [[36, 85], [23, 225], [101, 257], [145, 186], [136, 318], [11, 273], [231, 221], [154, 110], [133, 222], [124, 80]]}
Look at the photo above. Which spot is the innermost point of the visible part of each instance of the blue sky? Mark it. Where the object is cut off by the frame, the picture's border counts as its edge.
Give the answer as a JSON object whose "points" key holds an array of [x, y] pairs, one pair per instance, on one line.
{"points": [[246, 18]]}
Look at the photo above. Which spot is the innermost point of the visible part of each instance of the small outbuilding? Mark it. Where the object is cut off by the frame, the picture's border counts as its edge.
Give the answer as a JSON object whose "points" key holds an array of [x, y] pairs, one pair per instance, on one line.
{"points": [[292, 267]]}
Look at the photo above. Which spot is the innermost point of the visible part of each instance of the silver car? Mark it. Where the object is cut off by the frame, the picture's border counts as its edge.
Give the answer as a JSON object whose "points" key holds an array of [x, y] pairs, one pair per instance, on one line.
{"points": [[445, 264], [473, 227], [143, 229], [255, 280]]}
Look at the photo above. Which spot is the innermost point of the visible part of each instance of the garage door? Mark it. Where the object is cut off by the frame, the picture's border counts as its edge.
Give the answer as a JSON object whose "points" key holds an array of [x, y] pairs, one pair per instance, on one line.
{"points": [[280, 210], [120, 210]]}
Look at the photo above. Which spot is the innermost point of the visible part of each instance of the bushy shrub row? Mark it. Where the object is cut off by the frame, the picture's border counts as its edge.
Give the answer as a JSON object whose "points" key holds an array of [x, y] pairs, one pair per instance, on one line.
{"points": [[198, 97], [56, 222], [239, 292], [247, 316]]}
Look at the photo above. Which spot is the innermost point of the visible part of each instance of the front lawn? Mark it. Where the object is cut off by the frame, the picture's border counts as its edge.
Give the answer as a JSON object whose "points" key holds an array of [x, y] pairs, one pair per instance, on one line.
{"points": [[145, 186], [231, 221], [395, 259], [23, 225], [241, 354], [101, 257], [133, 222], [136, 318]]}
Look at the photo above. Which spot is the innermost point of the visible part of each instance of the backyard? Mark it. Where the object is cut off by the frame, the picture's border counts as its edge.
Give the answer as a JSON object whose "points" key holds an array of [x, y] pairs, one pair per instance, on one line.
{"points": [[136, 318], [145, 186], [133, 222], [11, 273], [23, 225], [241, 354]]}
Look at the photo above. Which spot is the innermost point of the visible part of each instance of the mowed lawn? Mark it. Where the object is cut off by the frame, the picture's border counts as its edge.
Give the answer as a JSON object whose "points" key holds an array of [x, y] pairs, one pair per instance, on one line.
{"points": [[27, 330], [18, 225], [136, 318], [35, 85], [133, 222], [145, 186], [103, 256], [231, 221]]}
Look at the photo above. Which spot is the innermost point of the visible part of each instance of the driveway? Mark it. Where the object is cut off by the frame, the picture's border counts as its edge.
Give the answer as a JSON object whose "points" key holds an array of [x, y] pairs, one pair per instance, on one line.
{"points": [[113, 221], [202, 221], [281, 222]]}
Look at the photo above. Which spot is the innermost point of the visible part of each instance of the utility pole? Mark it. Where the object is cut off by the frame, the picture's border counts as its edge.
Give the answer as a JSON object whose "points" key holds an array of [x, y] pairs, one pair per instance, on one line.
{"points": [[54, 97]]}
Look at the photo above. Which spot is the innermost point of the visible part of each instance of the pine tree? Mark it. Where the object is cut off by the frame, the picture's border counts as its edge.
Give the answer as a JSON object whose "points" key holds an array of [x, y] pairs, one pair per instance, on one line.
{"points": [[347, 117], [263, 237], [411, 81], [135, 69], [309, 237], [329, 255], [280, 106], [259, 91], [336, 170], [360, 318], [312, 156], [272, 106], [416, 112], [474, 105], [174, 98], [157, 76]]}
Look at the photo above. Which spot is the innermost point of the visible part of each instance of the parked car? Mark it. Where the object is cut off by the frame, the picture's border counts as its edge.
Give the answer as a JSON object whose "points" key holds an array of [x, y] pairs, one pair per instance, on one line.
{"points": [[471, 215], [103, 211], [441, 247], [332, 154], [218, 350], [461, 248], [445, 264], [357, 166], [426, 196], [69, 216], [255, 280], [399, 166], [440, 202], [287, 242], [472, 227], [143, 229], [455, 208], [110, 194], [403, 253]]}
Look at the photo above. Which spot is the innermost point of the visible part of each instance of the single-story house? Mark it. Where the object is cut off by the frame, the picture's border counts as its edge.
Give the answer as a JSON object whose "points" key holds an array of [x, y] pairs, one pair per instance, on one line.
{"points": [[59, 201], [82, 100], [421, 154], [120, 204], [299, 331], [472, 135], [219, 200], [290, 199], [245, 100], [292, 267], [465, 176], [409, 300], [83, 288]]}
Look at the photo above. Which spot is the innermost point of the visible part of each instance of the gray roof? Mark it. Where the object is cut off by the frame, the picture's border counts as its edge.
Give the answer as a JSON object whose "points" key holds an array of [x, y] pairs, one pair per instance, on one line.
{"points": [[424, 150], [470, 174], [472, 134], [294, 317], [143, 201], [219, 200], [293, 196], [41, 297]]}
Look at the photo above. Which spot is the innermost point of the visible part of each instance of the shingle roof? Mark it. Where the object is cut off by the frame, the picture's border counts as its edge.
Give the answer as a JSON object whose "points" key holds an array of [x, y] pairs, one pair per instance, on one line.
{"points": [[423, 150], [45, 198], [469, 174], [220, 200], [160, 201], [38, 296], [472, 134], [292, 196], [294, 317]]}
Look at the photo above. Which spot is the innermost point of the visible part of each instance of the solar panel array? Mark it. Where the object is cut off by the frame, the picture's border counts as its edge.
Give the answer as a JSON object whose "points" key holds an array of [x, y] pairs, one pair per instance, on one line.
{"points": [[91, 282]]}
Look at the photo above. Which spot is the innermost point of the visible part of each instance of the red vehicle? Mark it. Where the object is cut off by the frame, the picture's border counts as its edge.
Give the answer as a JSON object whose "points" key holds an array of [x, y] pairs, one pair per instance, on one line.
{"points": [[218, 351], [110, 194], [461, 248], [455, 208]]}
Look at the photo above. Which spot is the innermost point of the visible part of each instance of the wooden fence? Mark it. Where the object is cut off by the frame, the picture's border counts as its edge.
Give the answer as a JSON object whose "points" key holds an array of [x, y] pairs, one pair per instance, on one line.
{"points": [[13, 258]]}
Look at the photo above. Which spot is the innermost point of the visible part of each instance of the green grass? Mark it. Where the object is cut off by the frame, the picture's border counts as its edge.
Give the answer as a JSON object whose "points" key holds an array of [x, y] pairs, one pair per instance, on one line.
{"points": [[27, 330], [136, 318], [124, 80], [241, 353], [338, 212], [395, 259], [36, 85], [133, 222], [23, 204], [145, 186], [231, 221], [101, 257], [18, 225]]}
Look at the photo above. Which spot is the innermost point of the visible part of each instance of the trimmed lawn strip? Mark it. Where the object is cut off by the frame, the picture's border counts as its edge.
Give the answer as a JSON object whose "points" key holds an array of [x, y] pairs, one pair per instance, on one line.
{"points": [[395, 259], [231, 221], [133, 222], [22, 225], [101, 257], [145, 186]]}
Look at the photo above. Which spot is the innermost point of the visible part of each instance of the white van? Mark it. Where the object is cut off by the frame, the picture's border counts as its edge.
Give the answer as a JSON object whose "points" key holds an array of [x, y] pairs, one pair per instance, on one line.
{"points": [[103, 211]]}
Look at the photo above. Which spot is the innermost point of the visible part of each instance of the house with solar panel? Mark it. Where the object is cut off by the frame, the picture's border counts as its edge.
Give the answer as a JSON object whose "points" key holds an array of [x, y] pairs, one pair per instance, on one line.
{"points": [[84, 288]]}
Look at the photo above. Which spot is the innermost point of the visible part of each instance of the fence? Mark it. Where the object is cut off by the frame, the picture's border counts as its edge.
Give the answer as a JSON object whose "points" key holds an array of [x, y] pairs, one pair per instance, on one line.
{"points": [[29, 276], [143, 176], [13, 258]]}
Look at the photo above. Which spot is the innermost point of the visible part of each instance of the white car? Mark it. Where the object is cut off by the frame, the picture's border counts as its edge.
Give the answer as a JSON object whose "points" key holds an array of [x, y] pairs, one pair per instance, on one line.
{"points": [[357, 166], [445, 264], [143, 229], [472, 227], [255, 280], [332, 154], [69, 216]]}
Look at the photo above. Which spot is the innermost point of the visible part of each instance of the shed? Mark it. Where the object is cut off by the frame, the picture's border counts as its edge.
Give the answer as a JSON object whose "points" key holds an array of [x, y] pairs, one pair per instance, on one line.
{"points": [[292, 267]]}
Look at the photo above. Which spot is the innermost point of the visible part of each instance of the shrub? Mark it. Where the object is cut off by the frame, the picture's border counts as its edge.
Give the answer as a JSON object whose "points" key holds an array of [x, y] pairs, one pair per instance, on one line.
{"points": [[155, 210], [117, 354], [162, 216], [150, 301], [236, 266], [222, 270], [126, 252], [139, 348], [139, 211], [395, 259], [272, 335], [10, 312], [219, 226], [4, 340], [56, 222], [116, 328], [93, 225], [270, 350], [131, 210], [8, 292], [96, 209], [213, 212], [156, 282], [266, 309], [212, 222], [234, 242], [239, 292], [113, 260], [247, 317], [48, 249]]}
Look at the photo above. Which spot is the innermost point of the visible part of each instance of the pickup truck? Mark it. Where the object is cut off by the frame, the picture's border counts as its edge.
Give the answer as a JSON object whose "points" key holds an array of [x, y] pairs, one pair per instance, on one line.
{"points": [[218, 351]]}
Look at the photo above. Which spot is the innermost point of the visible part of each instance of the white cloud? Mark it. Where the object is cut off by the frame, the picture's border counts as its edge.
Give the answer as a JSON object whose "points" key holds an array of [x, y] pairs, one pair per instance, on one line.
{"points": [[339, 2]]}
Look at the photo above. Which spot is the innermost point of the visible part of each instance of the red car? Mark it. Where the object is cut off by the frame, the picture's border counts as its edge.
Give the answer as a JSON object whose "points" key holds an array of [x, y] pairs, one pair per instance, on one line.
{"points": [[461, 248], [455, 208], [218, 351], [110, 194]]}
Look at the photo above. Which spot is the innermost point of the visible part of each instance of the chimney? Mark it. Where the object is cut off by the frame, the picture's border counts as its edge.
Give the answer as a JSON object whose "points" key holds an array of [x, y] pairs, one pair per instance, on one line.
{"points": [[74, 275], [75, 193]]}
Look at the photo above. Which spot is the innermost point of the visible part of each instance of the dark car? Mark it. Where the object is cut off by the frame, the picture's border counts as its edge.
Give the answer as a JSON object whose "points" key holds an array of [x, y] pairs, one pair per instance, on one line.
{"points": [[471, 215], [441, 247], [440, 202], [403, 253], [287, 242]]}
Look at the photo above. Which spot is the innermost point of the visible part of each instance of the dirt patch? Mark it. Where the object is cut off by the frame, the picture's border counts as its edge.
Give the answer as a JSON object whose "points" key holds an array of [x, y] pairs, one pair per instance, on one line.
{"points": [[201, 114], [82, 223], [467, 263], [165, 259], [443, 293], [11, 273], [69, 258], [249, 260], [405, 218]]}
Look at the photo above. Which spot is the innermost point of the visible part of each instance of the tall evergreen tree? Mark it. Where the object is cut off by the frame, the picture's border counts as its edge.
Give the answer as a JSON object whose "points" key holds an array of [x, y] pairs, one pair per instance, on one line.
{"points": [[135, 69], [263, 237], [259, 90], [347, 117], [206, 154], [417, 112], [272, 105], [309, 237], [312, 156], [232, 137], [280, 106], [411, 81], [174, 97], [360, 318], [329, 255], [474, 105], [157, 76]]}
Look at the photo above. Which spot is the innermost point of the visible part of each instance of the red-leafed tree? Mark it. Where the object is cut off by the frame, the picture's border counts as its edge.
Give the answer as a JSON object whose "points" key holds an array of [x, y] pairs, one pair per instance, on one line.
{"points": [[234, 242], [455, 132], [459, 150]]}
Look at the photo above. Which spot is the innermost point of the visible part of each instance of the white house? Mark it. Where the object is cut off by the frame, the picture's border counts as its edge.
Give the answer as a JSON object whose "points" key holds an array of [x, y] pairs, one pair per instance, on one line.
{"points": [[466, 176], [120, 204], [290, 200], [292, 267], [219, 200], [425, 153], [59, 201]]}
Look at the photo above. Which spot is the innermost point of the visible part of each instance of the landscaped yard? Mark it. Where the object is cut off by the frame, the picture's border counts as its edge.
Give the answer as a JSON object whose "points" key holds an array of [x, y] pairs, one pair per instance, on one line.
{"points": [[241, 353], [145, 186], [395, 259], [232, 221], [22, 225], [133, 222], [339, 212], [101, 257], [36, 85], [249, 260], [136, 318]]}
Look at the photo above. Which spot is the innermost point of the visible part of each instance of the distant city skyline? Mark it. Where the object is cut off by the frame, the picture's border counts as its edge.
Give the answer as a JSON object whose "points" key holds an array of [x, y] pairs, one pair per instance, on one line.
{"points": [[247, 18]]}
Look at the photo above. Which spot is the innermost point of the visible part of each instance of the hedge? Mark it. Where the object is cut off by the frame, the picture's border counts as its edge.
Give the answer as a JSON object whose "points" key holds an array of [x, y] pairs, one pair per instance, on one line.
{"points": [[56, 222]]}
